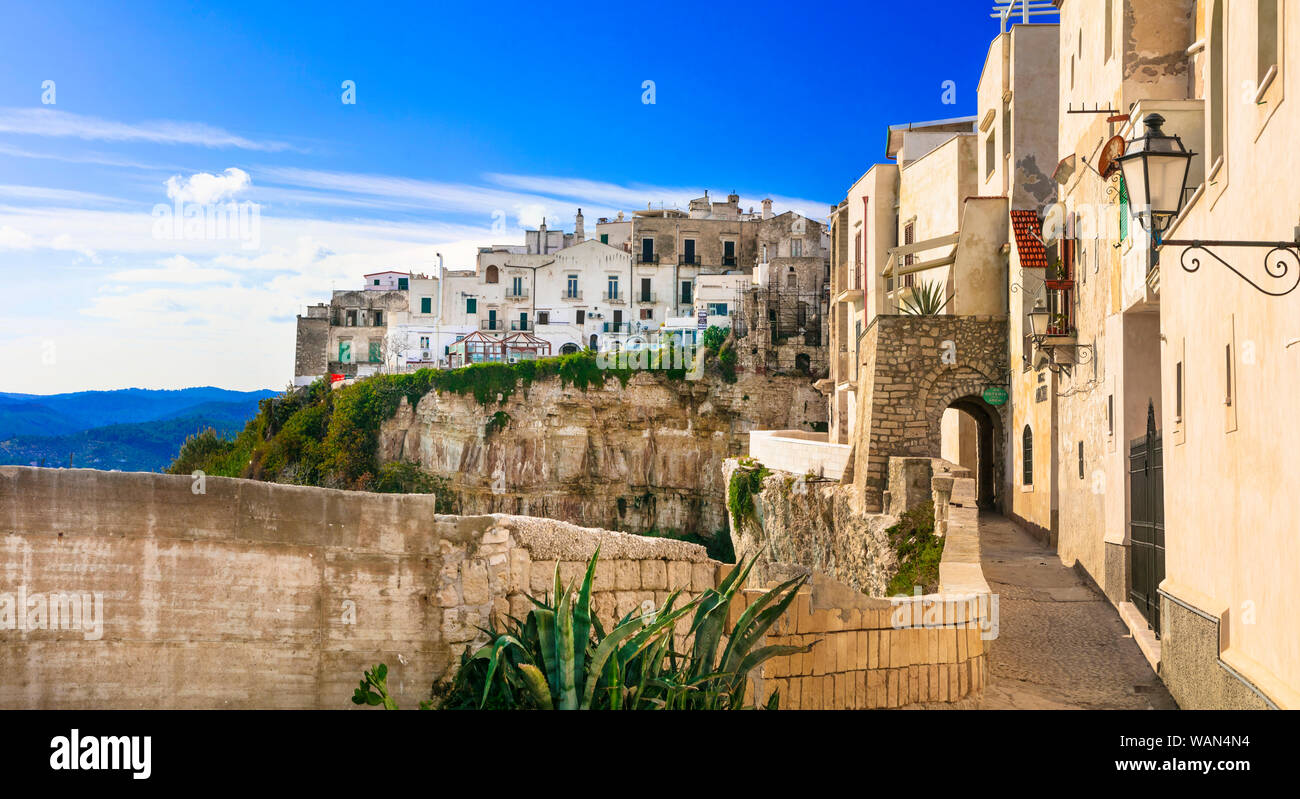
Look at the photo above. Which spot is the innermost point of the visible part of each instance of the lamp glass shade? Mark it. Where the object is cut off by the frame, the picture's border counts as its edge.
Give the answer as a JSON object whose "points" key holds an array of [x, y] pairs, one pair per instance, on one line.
{"points": [[1038, 319], [1155, 168]]}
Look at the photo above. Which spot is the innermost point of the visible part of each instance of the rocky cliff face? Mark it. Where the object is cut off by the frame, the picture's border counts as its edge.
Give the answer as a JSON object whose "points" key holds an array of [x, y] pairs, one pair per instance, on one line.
{"points": [[641, 457]]}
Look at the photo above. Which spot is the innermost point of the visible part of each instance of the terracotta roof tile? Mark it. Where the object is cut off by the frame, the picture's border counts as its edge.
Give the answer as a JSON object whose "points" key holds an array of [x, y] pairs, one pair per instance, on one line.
{"points": [[1028, 243]]}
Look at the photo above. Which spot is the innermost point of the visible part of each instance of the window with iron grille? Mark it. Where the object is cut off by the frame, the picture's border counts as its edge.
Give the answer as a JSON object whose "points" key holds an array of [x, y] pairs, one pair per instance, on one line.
{"points": [[1027, 456]]}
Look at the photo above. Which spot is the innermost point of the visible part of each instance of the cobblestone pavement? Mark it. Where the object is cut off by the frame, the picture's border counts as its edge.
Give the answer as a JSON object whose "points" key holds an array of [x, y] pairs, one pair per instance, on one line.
{"points": [[1061, 644]]}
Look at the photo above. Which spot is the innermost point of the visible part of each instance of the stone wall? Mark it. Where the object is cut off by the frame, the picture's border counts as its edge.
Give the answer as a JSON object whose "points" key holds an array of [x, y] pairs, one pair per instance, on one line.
{"points": [[232, 593], [641, 457], [913, 369]]}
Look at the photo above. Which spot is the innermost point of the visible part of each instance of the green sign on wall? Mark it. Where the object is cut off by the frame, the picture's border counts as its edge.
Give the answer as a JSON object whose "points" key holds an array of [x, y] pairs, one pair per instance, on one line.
{"points": [[995, 395]]}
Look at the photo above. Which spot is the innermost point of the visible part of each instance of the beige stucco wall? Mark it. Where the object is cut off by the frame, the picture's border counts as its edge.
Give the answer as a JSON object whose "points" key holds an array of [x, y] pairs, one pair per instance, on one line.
{"points": [[1231, 530]]}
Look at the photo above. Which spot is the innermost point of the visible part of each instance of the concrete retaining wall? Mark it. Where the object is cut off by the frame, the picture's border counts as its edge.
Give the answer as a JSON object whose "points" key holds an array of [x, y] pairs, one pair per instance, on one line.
{"points": [[242, 594]]}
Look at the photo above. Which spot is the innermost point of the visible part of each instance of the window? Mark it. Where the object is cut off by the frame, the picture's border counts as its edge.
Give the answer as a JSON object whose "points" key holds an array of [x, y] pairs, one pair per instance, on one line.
{"points": [[1266, 40], [1080, 460], [646, 295], [1006, 129], [796, 248], [403, 283], [857, 251], [424, 342], [764, 259], [688, 252], [579, 316], [647, 313], [374, 352], [791, 280], [379, 318], [426, 305], [1178, 392], [471, 305], [1027, 457], [1110, 30], [909, 237], [516, 287], [492, 275], [350, 319], [345, 352], [1227, 375], [376, 282], [647, 250], [728, 253], [611, 287], [717, 309], [571, 289], [686, 293], [1110, 415], [1218, 77], [543, 317], [990, 153], [604, 238]]}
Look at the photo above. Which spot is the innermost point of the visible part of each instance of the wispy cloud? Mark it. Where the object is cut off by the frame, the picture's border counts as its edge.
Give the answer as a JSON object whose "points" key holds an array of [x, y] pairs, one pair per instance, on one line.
{"points": [[49, 122]]}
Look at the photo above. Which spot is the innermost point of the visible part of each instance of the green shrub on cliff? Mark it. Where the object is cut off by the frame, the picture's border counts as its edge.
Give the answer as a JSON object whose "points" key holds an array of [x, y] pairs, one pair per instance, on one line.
{"points": [[323, 437], [746, 484], [919, 551]]}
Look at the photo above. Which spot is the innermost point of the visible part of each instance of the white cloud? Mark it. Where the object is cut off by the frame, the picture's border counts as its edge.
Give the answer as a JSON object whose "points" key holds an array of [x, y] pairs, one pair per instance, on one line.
{"points": [[49, 122], [12, 238], [175, 270], [206, 188]]}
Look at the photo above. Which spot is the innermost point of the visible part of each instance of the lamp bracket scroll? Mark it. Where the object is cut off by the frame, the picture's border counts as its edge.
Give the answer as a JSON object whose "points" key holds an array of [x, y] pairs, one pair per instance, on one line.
{"points": [[1281, 262]]}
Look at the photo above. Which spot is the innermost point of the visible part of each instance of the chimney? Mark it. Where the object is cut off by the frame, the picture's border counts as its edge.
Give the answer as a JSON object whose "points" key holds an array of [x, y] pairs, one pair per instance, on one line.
{"points": [[620, 216], [578, 235], [733, 199], [767, 209]]}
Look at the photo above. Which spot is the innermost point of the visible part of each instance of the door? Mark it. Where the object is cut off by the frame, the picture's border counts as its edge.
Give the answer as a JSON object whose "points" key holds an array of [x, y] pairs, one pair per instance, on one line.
{"points": [[618, 321], [647, 250], [688, 250], [1147, 521], [645, 289], [729, 253], [492, 319]]}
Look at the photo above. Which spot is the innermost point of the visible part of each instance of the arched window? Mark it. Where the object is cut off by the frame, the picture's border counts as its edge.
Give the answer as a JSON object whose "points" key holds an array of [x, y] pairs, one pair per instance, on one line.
{"points": [[491, 276], [1027, 457]]}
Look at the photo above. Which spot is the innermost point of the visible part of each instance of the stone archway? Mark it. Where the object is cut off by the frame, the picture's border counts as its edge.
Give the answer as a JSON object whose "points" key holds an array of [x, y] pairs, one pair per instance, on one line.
{"points": [[914, 368]]}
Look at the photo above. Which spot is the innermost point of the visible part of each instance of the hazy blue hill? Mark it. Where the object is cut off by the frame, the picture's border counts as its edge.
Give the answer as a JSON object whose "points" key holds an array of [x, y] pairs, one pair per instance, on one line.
{"points": [[131, 429], [137, 447], [60, 414]]}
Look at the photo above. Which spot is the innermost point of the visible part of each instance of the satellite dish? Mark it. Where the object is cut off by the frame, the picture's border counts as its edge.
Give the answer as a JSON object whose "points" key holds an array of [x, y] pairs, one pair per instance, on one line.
{"points": [[1108, 162]]}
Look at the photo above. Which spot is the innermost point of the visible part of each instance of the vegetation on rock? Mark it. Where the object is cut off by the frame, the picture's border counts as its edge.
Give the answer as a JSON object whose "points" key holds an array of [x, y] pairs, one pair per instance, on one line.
{"points": [[919, 551], [746, 483]]}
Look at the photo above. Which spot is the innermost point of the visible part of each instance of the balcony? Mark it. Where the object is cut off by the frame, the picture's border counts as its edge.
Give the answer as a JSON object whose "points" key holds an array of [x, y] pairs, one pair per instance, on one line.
{"points": [[651, 259], [516, 294], [575, 296], [520, 324], [613, 299], [491, 324], [617, 328], [647, 297], [728, 260], [688, 260]]}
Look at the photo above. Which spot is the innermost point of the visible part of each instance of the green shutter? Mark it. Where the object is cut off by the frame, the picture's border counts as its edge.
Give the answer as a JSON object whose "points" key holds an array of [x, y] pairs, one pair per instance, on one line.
{"points": [[1123, 209], [403, 283], [426, 305], [345, 352], [471, 305], [374, 352]]}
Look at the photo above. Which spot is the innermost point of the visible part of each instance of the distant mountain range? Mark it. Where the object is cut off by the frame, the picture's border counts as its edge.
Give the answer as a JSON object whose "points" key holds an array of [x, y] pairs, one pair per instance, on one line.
{"points": [[130, 429]]}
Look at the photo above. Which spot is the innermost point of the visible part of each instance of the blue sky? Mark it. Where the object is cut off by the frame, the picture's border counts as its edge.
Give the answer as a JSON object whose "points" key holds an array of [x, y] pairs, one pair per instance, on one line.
{"points": [[468, 123]]}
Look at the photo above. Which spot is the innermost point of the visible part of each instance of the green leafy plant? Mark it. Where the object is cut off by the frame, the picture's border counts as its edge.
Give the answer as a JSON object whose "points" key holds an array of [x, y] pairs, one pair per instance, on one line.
{"points": [[746, 484], [926, 299], [560, 656], [918, 549], [373, 689], [497, 423]]}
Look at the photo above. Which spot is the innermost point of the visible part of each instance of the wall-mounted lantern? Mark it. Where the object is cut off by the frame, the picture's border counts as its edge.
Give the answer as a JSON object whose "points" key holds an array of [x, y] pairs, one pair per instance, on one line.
{"points": [[1155, 168]]}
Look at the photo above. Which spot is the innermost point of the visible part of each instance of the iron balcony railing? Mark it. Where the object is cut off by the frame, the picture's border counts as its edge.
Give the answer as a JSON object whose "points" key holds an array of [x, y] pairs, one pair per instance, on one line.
{"points": [[728, 260], [689, 260], [571, 295], [615, 297], [623, 328], [516, 294], [647, 258], [491, 324], [521, 325], [646, 297]]}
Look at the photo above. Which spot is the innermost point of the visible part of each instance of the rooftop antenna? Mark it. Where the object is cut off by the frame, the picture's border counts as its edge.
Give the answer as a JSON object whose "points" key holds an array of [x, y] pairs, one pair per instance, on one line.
{"points": [[1004, 9]]}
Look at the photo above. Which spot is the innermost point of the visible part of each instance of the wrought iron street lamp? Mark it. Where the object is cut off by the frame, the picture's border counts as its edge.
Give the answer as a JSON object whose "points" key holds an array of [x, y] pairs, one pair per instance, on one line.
{"points": [[1040, 333], [1155, 168]]}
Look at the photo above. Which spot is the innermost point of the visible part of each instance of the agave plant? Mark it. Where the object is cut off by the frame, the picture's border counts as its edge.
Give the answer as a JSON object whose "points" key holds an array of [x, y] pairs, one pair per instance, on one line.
{"points": [[926, 299], [561, 657]]}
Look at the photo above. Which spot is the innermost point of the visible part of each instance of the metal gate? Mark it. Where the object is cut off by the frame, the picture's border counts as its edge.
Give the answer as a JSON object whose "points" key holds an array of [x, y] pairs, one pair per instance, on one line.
{"points": [[1146, 521]]}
